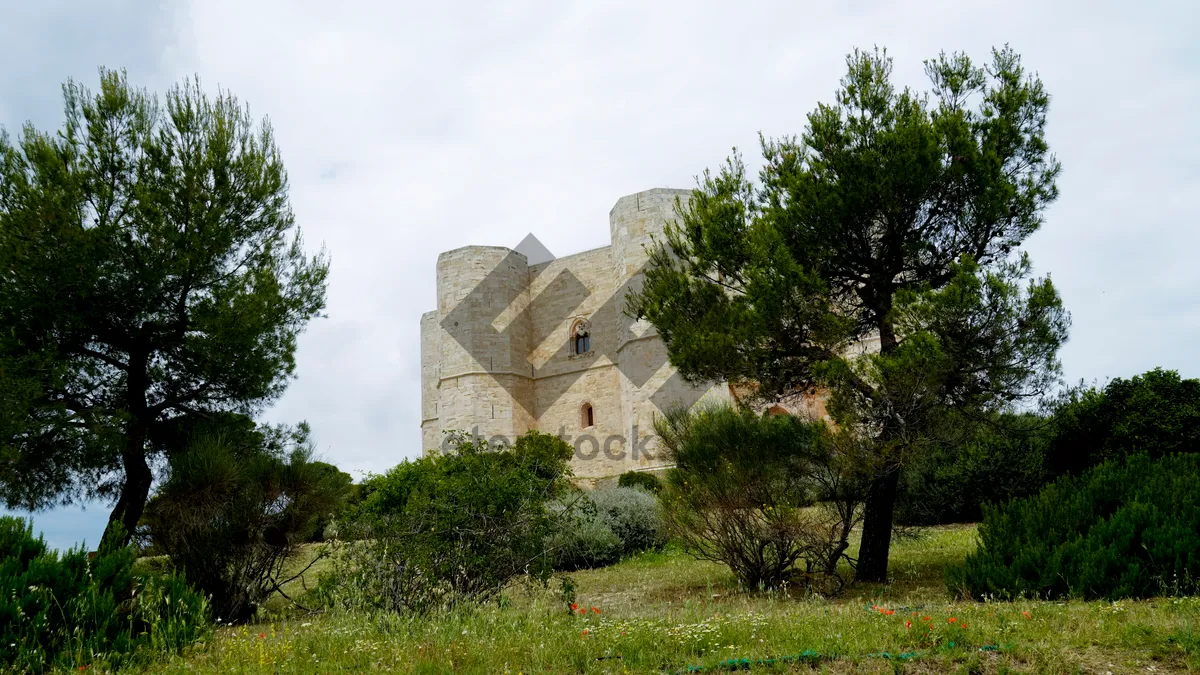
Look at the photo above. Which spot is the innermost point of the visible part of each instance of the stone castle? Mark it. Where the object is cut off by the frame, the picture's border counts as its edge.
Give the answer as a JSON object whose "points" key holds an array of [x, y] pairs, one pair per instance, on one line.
{"points": [[520, 341]]}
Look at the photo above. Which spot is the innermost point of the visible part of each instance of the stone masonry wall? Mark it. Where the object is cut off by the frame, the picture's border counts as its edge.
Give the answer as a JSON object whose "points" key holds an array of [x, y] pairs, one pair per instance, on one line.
{"points": [[516, 371]]}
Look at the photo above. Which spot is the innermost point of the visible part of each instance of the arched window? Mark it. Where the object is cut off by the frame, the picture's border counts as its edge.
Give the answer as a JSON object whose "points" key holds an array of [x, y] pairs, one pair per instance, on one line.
{"points": [[581, 338], [587, 417]]}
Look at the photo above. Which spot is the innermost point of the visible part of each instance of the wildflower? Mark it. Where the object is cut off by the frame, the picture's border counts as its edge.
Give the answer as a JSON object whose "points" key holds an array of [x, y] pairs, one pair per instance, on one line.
{"points": [[924, 618], [951, 620], [1026, 613], [574, 606], [585, 631], [262, 636], [596, 610], [964, 624], [890, 612], [908, 624]]}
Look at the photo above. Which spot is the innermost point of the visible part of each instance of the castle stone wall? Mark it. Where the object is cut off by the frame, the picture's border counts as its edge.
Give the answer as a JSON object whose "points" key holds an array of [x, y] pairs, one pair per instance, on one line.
{"points": [[496, 357]]}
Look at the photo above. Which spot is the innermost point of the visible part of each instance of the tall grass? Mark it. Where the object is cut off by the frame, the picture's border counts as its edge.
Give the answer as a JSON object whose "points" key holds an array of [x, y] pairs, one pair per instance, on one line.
{"points": [[663, 612]]}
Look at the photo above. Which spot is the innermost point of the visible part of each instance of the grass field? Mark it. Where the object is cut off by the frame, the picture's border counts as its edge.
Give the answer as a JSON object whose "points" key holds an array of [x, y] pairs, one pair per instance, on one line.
{"points": [[665, 612]]}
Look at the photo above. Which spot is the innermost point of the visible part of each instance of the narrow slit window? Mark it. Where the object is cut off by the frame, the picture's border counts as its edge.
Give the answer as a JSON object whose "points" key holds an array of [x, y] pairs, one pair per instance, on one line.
{"points": [[587, 417]]}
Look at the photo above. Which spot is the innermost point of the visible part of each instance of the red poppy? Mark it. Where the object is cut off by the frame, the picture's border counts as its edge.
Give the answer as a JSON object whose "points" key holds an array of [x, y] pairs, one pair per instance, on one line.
{"points": [[924, 618], [1026, 614], [914, 613], [951, 620], [908, 624], [262, 635], [964, 624], [890, 612], [596, 610], [574, 607], [584, 632]]}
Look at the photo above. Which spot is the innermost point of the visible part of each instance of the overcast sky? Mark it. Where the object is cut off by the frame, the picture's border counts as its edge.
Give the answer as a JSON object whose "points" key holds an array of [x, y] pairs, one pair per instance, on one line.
{"points": [[413, 128]]}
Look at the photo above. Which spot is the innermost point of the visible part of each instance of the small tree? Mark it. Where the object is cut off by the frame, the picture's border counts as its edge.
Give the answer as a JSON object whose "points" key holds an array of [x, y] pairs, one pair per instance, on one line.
{"points": [[231, 516], [747, 491], [992, 461], [151, 269], [894, 217], [453, 528], [1157, 413]]}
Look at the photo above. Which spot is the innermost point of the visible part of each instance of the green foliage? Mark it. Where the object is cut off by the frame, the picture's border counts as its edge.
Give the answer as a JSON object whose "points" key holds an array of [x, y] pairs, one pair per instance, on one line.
{"points": [[1002, 458], [745, 492], [647, 481], [582, 537], [633, 515], [1124, 529], [70, 612], [152, 270], [231, 516], [343, 484], [453, 528], [598, 528], [1157, 413], [894, 215]]}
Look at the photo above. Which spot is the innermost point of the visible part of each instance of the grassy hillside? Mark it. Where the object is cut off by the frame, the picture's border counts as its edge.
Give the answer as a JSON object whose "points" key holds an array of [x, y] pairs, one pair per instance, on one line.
{"points": [[665, 612]]}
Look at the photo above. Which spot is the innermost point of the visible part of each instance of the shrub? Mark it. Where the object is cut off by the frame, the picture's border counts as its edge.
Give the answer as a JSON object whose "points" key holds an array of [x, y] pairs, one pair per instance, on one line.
{"points": [[745, 492], [582, 537], [231, 515], [602, 526], [646, 481], [1124, 529], [1002, 459], [343, 485], [453, 528], [633, 516], [1157, 413], [71, 612]]}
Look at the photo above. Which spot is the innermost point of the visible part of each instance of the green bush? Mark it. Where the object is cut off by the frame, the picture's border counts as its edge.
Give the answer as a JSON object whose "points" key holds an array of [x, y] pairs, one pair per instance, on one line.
{"points": [[754, 493], [582, 538], [70, 612], [605, 525], [1124, 529], [633, 515], [1002, 459], [452, 528], [235, 509], [1157, 413], [646, 481]]}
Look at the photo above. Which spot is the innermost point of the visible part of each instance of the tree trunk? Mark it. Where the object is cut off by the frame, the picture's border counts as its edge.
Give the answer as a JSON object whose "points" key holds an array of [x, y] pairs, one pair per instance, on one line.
{"points": [[880, 506], [878, 512], [134, 493], [136, 489]]}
